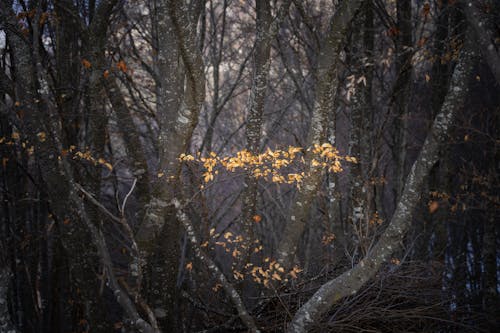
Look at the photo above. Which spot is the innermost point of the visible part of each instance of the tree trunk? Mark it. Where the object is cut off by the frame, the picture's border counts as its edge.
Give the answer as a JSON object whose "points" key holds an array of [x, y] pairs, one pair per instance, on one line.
{"points": [[352, 280], [327, 79]]}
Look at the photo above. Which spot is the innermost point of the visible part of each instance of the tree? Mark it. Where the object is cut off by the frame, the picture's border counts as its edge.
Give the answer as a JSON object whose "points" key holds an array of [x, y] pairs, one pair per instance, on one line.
{"points": [[244, 165]]}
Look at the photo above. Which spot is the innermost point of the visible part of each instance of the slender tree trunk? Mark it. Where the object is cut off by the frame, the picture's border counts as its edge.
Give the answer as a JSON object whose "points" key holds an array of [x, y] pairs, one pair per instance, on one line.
{"points": [[404, 70], [359, 211], [267, 30], [327, 79]]}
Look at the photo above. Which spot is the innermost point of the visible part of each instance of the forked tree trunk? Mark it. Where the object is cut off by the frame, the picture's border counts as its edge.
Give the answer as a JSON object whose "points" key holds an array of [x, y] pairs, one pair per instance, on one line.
{"points": [[327, 78], [351, 281], [181, 94]]}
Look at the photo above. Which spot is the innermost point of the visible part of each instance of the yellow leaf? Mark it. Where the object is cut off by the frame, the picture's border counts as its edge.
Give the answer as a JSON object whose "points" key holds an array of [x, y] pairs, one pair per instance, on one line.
{"points": [[236, 253], [276, 277], [189, 266], [41, 136], [208, 176]]}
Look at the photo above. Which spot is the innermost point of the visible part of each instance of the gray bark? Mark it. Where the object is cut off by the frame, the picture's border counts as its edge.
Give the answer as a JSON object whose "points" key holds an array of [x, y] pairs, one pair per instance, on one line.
{"points": [[484, 36], [404, 71], [210, 264], [267, 30], [6, 325], [42, 129], [326, 78], [351, 281], [133, 144], [359, 144], [181, 92]]}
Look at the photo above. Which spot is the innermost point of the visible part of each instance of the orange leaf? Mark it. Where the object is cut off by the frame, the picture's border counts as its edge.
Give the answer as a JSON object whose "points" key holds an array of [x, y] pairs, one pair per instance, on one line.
{"points": [[122, 66], [66, 221], [257, 218], [426, 10], [433, 206], [106, 74], [393, 31], [86, 63]]}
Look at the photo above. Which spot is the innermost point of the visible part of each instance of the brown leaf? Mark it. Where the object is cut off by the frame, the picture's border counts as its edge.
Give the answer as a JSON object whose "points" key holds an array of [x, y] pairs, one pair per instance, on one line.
{"points": [[433, 206], [426, 10], [122, 66], [86, 63]]}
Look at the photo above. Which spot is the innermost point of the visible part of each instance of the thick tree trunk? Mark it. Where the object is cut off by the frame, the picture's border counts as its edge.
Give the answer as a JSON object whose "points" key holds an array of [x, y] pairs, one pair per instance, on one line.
{"points": [[179, 65]]}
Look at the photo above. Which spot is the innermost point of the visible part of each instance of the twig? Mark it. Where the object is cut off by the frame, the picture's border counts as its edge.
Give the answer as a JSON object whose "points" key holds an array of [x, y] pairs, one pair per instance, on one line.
{"points": [[200, 254], [122, 210], [97, 203]]}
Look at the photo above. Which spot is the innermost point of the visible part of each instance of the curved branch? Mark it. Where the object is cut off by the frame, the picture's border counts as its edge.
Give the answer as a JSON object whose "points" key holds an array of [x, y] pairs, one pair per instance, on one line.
{"points": [[352, 280]]}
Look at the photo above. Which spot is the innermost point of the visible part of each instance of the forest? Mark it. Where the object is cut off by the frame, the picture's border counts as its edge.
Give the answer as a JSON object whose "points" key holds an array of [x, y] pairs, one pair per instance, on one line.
{"points": [[249, 166]]}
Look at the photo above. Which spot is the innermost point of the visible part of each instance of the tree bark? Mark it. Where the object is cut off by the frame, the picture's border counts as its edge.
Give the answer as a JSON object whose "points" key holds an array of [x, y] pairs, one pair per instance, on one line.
{"points": [[181, 94], [484, 36], [351, 281], [326, 78], [267, 30], [6, 325]]}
